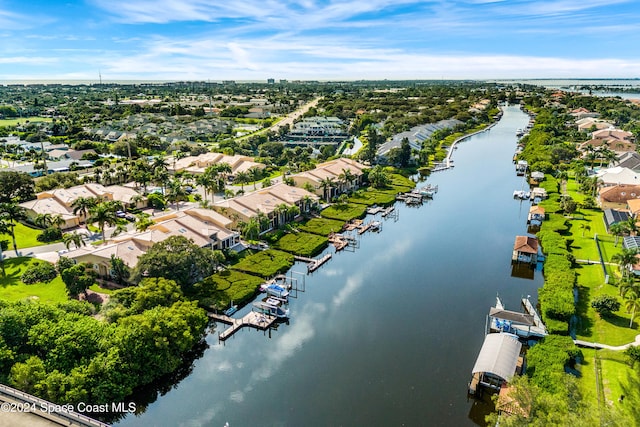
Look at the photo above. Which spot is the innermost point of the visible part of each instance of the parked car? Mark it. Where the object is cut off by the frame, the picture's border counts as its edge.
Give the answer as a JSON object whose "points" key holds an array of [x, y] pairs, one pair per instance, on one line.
{"points": [[120, 214], [130, 217]]}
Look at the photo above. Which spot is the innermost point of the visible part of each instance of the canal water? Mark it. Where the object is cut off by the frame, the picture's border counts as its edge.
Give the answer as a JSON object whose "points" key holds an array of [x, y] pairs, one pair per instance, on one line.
{"points": [[386, 335]]}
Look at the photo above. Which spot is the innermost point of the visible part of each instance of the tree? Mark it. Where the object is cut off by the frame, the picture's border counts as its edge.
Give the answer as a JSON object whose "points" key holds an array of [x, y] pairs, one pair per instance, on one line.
{"points": [[242, 178], [179, 259], [585, 227], [12, 213], [617, 229], [104, 213], [82, 205], [16, 187], [327, 184], [568, 205], [625, 259], [378, 177], [143, 221], [605, 305], [631, 225], [75, 238], [157, 200], [78, 278], [177, 193], [255, 173], [632, 303], [120, 272]]}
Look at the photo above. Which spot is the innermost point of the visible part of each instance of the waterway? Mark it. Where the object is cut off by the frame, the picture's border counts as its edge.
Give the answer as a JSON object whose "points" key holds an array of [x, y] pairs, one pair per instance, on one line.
{"points": [[388, 334]]}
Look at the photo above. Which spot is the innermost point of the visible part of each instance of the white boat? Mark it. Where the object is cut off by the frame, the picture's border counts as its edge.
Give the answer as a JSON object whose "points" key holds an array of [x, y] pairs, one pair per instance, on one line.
{"points": [[375, 226], [273, 310], [276, 291]]}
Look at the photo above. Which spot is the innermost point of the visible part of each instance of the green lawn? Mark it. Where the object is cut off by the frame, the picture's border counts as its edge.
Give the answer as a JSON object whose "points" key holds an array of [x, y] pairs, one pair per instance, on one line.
{"points": [[321, 226], [616, 378], [13, 122], [266, 263], [25, 237], [371, 196], [12, 288], [304, 244], [613, 330], [97, 288], [345, 213]]}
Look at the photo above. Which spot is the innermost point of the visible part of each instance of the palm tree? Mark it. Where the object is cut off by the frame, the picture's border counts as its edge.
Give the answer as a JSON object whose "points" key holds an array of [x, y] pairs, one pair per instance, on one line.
{"points": [[255, 173], [242, 178], [263, 220], [209, 180], [47, 220], [585, 227], [82, 205], [12, 212], [306, 202], [630, 224], [75, 238], [327, 184], [143, 222], [104, 213], [250, 229], [177, 193], [632, 303], [347, 176], [617, 229], [625, 259], [628, 284], [281, 213]]}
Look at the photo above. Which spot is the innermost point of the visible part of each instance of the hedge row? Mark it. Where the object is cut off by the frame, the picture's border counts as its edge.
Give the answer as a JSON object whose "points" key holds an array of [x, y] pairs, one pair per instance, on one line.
{"points": [[266, 263], [556, 296], [304, 244]]}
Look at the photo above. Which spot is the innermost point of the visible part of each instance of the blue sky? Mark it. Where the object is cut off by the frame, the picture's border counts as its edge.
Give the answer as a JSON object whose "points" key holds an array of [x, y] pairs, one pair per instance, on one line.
{"points": [[309, 39]]}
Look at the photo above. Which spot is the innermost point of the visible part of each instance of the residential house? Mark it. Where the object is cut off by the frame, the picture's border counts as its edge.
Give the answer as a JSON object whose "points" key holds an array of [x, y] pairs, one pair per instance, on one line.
{"points": [[416, 135], [332, 170], [525, 249], [581, 113], [588, 123], [633, 206], [198, 164], [618, 175], [629, 160], [266, 201], [618, 196], [613, 216], [202, 226], [59, 201]]}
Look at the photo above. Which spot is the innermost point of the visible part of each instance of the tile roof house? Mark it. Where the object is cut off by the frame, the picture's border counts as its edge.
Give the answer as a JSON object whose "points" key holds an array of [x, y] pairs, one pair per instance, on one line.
{"points": [[617, 196], [332, 170], [59, 201], [247, 206], [202, 226], [198, 164]]}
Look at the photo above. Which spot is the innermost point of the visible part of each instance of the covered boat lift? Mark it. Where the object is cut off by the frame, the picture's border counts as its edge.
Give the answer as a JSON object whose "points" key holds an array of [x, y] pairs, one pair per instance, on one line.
{"points": [[497, 362]]}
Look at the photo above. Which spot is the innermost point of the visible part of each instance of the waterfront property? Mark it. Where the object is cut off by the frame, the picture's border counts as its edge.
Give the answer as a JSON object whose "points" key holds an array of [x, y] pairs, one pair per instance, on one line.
{"points": [[333, 173], [617, 196], [536, 215], [525, 325], [525, 249], [198, 164]]}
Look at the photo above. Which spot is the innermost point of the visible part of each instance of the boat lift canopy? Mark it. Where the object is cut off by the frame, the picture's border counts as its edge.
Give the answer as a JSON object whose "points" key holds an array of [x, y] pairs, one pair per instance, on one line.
{"points": [[499, 355]]}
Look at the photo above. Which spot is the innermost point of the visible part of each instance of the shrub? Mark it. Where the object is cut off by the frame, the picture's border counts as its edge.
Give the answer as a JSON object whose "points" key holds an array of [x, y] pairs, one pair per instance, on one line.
{"points": [[39, 271], [50, 234], [304, 244], [266, 263], [605, 305]]}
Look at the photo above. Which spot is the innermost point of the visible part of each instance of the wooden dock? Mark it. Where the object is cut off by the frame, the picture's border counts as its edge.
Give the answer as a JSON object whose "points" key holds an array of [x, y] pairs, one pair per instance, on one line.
{"points": [[338, 241], [388, 211], [312, 263], [375, 210], [252, 319], [364, 228]]}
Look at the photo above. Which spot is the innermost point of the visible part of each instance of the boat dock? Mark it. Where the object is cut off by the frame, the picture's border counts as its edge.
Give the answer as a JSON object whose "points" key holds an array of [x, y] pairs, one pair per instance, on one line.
{"points": [[530, 309], [312, 263], [388, 211], [375, 210], [252, 319]]}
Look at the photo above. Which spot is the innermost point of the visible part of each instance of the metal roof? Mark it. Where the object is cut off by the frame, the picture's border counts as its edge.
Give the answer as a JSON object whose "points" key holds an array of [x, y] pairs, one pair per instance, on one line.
{"points": [[513, 316], [498, 355]]}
